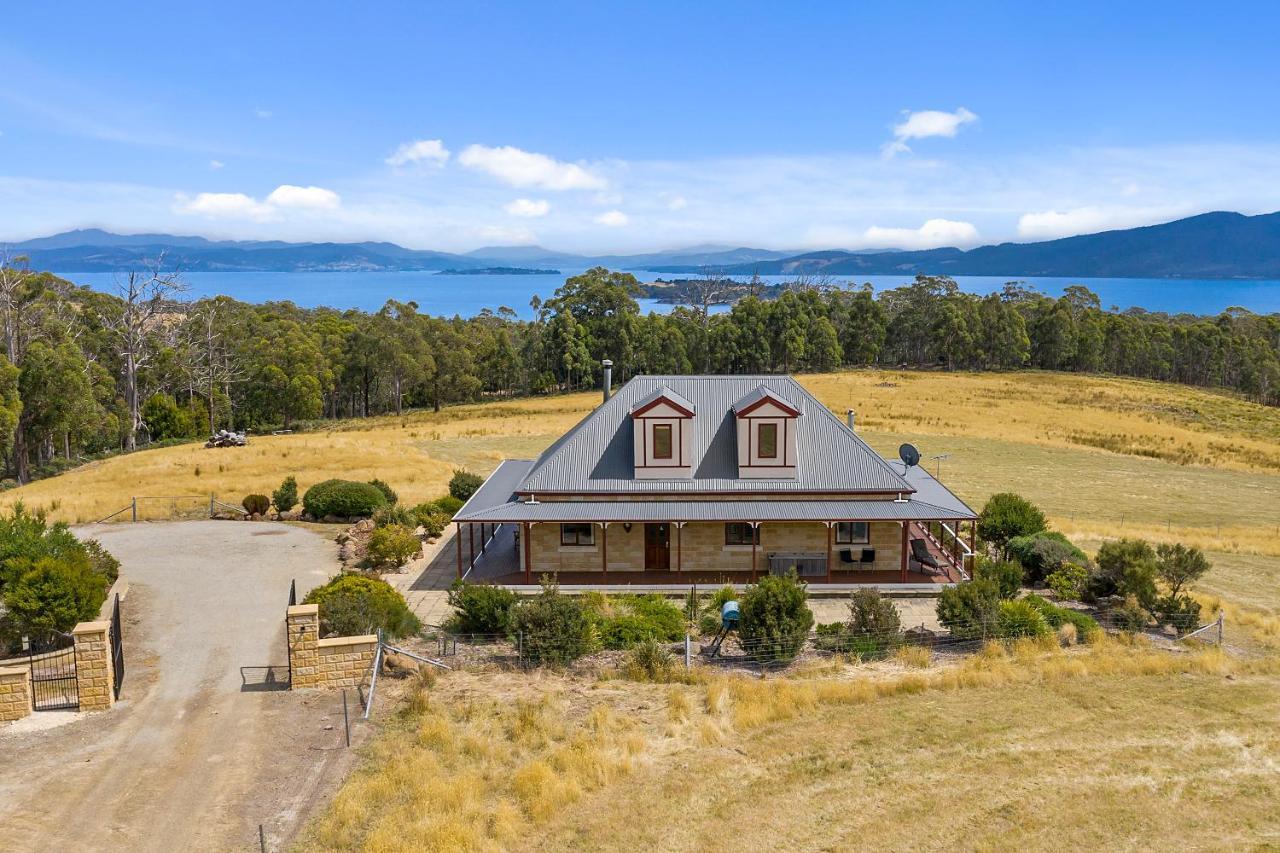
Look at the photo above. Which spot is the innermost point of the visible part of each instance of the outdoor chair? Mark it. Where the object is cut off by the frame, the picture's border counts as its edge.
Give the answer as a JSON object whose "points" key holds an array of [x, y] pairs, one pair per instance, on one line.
{"points": [[928, 563]]}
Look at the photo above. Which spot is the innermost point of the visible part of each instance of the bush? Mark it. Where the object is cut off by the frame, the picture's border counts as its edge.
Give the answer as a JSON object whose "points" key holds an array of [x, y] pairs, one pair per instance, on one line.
{"points": [[554, 629], [1125, 567], [464, 484], [388, 515], [352, 605], [1005, 575], [387, 491], [626, 621], [1085, 627], [1006, 515], [1019, 619], [342, 498], [1069, 581], [1130, 616], [1042, 554], [286, 497], [256, 504], [480, 608], [970, 610], [650, 660], [393, 544], [1179, 566], [53, 595], [775, 619], [448, 505], [709, 624], [874, 624], [101, 562], [1180, 612]]}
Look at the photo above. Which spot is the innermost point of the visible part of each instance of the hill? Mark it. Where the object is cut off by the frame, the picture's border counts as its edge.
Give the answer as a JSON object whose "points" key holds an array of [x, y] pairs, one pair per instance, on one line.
{"points": [[1212, 245]]}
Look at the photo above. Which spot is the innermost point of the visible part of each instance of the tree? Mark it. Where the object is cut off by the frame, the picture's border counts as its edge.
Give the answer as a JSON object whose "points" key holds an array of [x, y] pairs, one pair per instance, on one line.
{"points": [[10, 405], [701, 293], [1006, 515], [1179, 566], [143, 297], [1125, 567]]}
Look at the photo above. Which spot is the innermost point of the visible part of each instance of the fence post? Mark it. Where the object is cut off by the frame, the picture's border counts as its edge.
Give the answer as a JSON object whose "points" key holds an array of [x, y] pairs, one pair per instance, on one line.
{"points": [[135, 509], [688, 646], [1221, 620], [211, 505], [520, 647]]}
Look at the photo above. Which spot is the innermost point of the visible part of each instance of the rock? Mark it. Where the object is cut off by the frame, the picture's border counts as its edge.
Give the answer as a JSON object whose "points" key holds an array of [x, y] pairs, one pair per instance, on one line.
{"points": [[342, 538], [398, 666], [346, 553], [333, 519], [364, 524]]}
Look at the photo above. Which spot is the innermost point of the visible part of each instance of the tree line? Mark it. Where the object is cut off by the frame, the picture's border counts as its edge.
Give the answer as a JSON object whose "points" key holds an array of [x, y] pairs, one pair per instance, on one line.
{"points": [[85, 372]]}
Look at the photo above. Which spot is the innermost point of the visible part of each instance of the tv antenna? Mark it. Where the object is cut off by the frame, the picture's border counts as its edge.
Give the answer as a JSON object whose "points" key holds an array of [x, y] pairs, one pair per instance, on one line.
{"points": [[938, 459]]}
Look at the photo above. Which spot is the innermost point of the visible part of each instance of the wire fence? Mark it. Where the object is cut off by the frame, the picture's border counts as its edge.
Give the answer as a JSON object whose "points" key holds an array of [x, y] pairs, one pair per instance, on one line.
{"points": [[520, 650], [170, 507]]}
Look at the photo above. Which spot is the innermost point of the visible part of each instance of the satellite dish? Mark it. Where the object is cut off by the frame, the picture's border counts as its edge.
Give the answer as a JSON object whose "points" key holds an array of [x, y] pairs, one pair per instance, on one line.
{"points": [[909, 455]]}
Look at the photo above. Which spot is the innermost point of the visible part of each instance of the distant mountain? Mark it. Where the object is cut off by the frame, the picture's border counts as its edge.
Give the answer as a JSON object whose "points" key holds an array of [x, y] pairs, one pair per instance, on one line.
{"points": [[1212, 245]]}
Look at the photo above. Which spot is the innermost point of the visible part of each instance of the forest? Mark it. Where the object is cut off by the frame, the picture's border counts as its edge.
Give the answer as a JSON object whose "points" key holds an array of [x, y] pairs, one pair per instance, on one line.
{"points": [[85, 373]]}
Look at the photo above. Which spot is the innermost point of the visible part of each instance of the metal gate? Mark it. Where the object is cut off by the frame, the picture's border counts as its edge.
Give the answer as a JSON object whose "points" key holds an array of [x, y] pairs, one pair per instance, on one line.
{"points": [[117, 648], [53, 674], [288, 641]]}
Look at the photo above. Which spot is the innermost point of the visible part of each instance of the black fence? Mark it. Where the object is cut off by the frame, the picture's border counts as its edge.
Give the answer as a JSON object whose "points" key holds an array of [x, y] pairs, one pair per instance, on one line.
{"points": [[288, 641], [117, 648], [53, 674]]}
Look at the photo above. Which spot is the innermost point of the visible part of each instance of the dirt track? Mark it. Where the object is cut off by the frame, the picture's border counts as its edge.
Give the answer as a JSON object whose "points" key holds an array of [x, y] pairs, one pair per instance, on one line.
{"points": [[189, 758]]}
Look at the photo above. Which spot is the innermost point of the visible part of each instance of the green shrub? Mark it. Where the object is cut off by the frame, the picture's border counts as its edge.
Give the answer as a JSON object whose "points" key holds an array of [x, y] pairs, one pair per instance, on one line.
{"points": [[553, 629], [101, 562], [1041, 554], [480, 608], [1069, 581], [1131, 616], [464, 484], [53, 595], [1006, 515], [342, 498], [775, 619], [1180, 612], [1017, 618], [1179, 566], [625, 621], [970, 610], [1125, 567], [709, 624], [387, 491], [256, 504], [874, 626], [1087, 629], [650, 660], [448, 505], [353, 605], [286, 497], [1005, 575], [392, 545], [429, 517], [396, 514]]}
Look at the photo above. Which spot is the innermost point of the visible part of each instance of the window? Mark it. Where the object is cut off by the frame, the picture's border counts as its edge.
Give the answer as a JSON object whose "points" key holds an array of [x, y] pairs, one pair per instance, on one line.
{"points": [[740, 533], [577, 534], [767, 441], [662, 441], [851, 532]]}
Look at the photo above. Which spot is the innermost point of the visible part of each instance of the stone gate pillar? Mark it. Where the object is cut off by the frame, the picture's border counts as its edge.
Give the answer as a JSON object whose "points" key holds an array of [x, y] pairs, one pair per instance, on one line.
{"points": [[94, 666], [15, 692], [302, 621]]}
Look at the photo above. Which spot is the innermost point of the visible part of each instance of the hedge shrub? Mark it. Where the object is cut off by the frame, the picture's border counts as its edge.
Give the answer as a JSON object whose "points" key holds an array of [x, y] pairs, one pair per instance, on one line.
{"points": [[1041, 554], [352, 604], [464, 484], [286, 497], [1007, 576], [387, 492], [1019, 619], [396, 514], [554, 629], [256, 504], [970, 610], [624, 621], [393, 544], [343, 498], [1006, 515], [774, 619], [480, 608], [1087, 628]]}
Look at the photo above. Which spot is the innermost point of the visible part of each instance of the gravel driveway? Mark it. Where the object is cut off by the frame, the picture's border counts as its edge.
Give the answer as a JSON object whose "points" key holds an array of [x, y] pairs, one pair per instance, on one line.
{"points": [[188, 759]]}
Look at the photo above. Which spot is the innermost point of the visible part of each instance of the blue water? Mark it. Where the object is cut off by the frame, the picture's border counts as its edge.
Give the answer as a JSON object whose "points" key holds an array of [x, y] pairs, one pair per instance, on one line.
{"points": [[467, 294]]}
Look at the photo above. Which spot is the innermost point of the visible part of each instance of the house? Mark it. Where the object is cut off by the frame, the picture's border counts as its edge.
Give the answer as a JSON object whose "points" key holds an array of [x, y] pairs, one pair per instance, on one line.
{"points": [[677, 480]]}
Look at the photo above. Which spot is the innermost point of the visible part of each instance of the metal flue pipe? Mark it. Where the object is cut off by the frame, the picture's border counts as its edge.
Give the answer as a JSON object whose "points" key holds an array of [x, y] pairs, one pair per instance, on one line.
{"points": [[608, 378], [849, 415]]}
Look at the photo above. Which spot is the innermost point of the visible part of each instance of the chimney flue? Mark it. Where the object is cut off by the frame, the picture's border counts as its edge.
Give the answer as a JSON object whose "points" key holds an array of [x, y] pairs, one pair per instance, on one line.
{"points": [[608, 378], [849, 415]]}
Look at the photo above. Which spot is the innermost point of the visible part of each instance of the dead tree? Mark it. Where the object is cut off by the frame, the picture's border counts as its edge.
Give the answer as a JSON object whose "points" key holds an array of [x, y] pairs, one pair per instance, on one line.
{"points": [[700, 294]]}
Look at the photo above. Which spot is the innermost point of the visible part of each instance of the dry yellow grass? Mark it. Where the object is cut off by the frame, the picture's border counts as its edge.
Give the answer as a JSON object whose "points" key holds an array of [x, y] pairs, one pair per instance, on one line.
{"points": [[1023, 747]]}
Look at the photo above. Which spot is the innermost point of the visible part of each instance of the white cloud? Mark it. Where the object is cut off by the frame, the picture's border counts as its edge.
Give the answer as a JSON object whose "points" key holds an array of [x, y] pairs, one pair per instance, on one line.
{"points": [[528, 207], [675, 202], [419, 151], [924, 124], [241, 206], [931, 235], [216, 164], [1051, 224], [263, 114], [225, 206], [613, 219], [306, 198], [529, 169]]}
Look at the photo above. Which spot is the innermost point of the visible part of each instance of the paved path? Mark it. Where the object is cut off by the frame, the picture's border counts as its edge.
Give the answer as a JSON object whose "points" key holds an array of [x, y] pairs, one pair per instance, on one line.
{"points": [[188, 759]]}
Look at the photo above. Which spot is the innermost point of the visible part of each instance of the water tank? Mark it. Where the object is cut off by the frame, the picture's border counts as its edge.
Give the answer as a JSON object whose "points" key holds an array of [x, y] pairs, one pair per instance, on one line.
{"points": [[729, 614]]}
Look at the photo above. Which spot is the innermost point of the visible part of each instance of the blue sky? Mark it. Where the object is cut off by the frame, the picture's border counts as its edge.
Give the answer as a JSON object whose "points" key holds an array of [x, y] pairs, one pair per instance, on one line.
{"points": [[602, 126]]}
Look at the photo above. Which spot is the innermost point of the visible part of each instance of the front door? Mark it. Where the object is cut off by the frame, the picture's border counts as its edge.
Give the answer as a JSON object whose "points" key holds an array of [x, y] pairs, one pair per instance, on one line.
{"points": [[657, 547]]}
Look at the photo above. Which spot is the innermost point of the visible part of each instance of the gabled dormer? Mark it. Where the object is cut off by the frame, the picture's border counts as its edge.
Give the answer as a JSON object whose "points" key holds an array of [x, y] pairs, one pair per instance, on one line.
{"points": [[662, 424], [766, 436]]}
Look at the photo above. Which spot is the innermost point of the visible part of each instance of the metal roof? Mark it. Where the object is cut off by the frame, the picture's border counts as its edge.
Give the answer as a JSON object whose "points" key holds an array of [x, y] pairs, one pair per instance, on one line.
{"points": [[715, 511], [597, 455], [931, 491], [498, 489], [663, 393], [758, 395]]}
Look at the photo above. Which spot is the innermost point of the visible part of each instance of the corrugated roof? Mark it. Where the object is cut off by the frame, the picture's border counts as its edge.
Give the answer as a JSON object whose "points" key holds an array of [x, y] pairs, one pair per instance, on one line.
{"points": [[662, 392], [713, 511], [931, 491], [758, 394], [499, 489], [597, 455]]}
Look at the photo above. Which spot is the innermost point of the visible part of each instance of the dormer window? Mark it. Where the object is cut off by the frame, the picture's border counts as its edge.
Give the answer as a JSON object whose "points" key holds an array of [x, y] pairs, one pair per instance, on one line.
{"points": [[663, 436], [766, 436]]}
